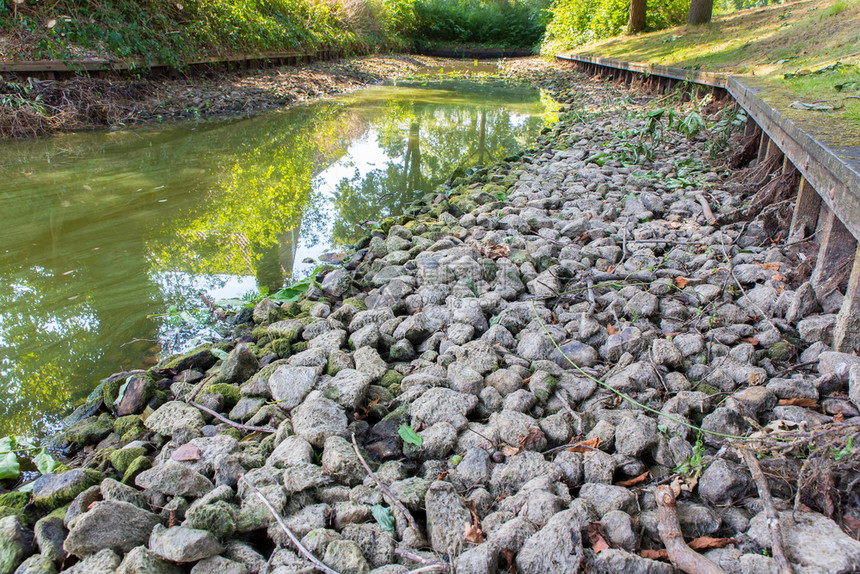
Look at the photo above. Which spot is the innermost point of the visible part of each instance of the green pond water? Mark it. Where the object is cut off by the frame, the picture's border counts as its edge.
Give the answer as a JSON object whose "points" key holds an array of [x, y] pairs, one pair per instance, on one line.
{"points": [[109, 238]]}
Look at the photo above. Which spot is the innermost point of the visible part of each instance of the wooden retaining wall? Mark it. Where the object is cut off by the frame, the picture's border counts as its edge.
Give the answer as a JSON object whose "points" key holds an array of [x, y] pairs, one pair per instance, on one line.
{"points": [[827, 202]]}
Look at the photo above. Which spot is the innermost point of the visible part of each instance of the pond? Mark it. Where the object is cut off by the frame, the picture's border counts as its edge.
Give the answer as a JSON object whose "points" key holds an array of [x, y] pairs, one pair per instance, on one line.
{"points": [[110, 238]]}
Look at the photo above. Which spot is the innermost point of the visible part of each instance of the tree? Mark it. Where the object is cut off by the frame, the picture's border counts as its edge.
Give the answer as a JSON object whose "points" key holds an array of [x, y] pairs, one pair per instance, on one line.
{"points": [[637, 16], [700, 12]]}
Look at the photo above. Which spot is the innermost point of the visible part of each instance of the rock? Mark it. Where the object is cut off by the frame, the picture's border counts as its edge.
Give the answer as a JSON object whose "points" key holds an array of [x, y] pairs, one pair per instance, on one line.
{"points": [[174, 479], [838, 364], [50, 532], [341, 463], [482, 559], [182, 544], [615, 560], [348, 388], [580, 354], [368, 361], [113, 490], [36, 564], [723, 482], [119, 526], [318, 418], [16, 544], [667, 354], [534, 346], [122, 458], [414, 328], [346, 556], [219, 518], [518, 470], [811, 541], [555, 547], [817, 328], [103, 562], [634, 435], [605, 498], [138, 392], [53, 490], [464, 379], [172, 416], [219, 565], [290, 385], [442, 405], [143, 561], [620, 530], [447, 517], [336, 283], [239, 365], [88, 431]]}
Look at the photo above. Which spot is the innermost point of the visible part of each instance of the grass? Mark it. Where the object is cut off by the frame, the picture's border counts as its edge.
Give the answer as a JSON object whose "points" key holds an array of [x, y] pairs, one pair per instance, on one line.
{"points": [[769, 43]]}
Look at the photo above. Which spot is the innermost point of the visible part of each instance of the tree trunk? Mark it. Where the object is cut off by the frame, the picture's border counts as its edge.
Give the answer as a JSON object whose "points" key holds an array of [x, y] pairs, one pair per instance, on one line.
{"points": [[637, 16], [700, 12]]}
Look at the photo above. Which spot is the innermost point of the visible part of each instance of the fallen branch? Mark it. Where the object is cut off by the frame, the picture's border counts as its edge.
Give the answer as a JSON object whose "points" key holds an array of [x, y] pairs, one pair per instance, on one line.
{"points": [[772, 516], [682, 556], [305, 552], [437, 566], [199, 388], [224, 419], [385, 490], [709, 215]]}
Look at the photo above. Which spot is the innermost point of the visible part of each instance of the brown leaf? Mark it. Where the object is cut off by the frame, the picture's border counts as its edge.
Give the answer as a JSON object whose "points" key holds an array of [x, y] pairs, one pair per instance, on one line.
{"points": [[707, 542], [585, 445], [508, 555], [770, 266], [597, 538], [186, 452], [751, 340], [681, 282], [797, 402], [508, 450], [839, 417], [473, 534], [533, 435], [654, 554], [634, 481], [612, 330]]}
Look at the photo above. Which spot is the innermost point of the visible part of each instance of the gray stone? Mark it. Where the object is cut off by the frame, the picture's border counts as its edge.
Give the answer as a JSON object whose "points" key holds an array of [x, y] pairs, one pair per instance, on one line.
{"points": [[414, 328], [723, 482], [811, 541], [329, 341], [113, 490], [666, 353], [239, 365], [557, 547], [182, 544], [104, 562], [336, 283], [482, 559], [614, 560], [605, 498], [839, 364], [634, 435], [442, 405], [290, 385], [620, 530], [143, 561], [16, 543], [37, 564], [299, 476], [464, 379], [174, 415], [597, 467], [348, 388], [218, 517], [219, 565], [174, 479], [244, 554], [580, 354], [346, 556], [534, 346], [292, 449], [50, 532], [817, 328], [341, 463], [119, 526], [519, 469], [318, 418], [368, 361], [52, 490], [447, 517]]}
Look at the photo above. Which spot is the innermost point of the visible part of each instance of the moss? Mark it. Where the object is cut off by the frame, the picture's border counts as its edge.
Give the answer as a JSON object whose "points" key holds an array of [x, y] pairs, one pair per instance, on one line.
{"points": [[121, 459], [229, 392], [89, 431], [124, 424], [62, 488], [60, 512], [307, 305], [198, 358], [231, 431], [357, 303], [782, 351], [15, 500], [292, 309], [110, 391], [219, 518], [137, 466], [300, 346], [280, 347], [260, 332], [391, 377]]}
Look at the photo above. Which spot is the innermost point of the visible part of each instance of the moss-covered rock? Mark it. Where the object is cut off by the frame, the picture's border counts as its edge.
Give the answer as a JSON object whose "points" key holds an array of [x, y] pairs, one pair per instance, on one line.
{"points": [[136, 466], [391, 377], [781, 351], [219, 518], [200, 358], [260, 332], [357, 303], [229, 392], [121, 459], [300, 346], [280, 347], [90, 430], [124, 424], [53, 490]]}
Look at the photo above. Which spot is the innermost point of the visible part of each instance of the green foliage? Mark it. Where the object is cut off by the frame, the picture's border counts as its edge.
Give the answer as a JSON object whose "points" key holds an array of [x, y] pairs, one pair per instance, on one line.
{"points": [[14, 447], [693, 465], [577, 22], [382, 514], [409, 436], [845, 451], [516, 23]]}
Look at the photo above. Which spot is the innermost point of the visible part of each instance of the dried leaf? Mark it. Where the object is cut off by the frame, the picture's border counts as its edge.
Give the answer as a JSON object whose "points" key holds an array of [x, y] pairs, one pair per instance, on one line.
{"points": [[585, 445], [751, 340], [508, 555], [755, 378], [533, 435], [186, 452], [611, 329], [508, 450], [473, 534], [596, 537], [798, 402], [654, 554], [839, 417], [634, 481], [681, 282], [707, 542]]}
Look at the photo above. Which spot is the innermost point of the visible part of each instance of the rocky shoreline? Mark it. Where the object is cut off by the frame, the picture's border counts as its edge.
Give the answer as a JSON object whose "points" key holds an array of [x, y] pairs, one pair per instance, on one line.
{"points": [[494, 382]]}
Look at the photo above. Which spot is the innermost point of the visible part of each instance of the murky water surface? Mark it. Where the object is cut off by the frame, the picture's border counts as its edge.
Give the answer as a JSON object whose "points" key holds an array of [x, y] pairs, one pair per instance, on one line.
{"points": [[110, 238]]}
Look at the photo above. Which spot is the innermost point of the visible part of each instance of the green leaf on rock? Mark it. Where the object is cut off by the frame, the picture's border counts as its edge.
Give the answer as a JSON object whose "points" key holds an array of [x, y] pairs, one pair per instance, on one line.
{"points": [[220, 353], [408, 434], [383, 516], [45, 462], [9, 467]]}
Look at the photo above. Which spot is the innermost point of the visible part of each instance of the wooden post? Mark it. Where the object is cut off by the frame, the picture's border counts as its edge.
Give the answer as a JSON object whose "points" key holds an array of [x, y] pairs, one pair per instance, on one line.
{"points": [[762, 146], [805, 216], [846, 336], [835, 254]]}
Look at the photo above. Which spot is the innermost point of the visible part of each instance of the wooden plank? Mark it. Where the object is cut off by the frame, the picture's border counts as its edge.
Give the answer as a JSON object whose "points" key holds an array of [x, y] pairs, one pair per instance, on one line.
{"points": [[805, 216], [680, 74], [834, 261], [846, 335]]}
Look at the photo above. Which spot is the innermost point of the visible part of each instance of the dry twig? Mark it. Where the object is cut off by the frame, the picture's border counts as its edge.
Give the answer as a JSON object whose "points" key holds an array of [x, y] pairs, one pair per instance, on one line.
{"points": [[224, 419], [772, 516], [682, 556]]}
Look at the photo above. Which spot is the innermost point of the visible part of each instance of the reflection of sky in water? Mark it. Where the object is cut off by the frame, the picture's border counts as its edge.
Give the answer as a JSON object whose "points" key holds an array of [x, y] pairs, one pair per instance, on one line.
{"points": [[104, 233]]}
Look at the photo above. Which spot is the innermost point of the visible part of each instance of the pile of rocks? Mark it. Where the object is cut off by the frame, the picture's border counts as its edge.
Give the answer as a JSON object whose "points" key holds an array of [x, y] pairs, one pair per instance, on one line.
{"points": [[484, 324]]}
